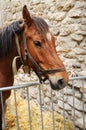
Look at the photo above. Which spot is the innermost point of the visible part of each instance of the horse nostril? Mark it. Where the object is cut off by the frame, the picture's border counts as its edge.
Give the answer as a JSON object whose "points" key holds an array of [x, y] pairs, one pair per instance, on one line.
{"points": [[57, 83], [61, 83]]}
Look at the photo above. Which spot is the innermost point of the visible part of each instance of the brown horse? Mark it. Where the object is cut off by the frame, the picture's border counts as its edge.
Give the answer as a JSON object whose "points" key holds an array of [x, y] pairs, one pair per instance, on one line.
{"points": [[32, 41]]}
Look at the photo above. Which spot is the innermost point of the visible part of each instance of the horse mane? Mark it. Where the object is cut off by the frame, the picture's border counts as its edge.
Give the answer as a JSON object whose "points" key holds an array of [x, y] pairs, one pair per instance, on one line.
{"points": [[6, 36]]}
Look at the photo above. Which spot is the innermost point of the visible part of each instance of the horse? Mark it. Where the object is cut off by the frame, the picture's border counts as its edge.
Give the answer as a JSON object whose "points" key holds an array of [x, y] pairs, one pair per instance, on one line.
{"points": [[31, 41]]}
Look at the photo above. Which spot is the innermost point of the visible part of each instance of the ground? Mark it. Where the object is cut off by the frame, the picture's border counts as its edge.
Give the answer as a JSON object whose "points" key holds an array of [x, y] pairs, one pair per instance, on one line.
{"points": [[24, 121]]}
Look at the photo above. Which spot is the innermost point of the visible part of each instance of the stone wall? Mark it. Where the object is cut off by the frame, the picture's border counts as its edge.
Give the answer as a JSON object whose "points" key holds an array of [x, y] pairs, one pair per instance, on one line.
{"points": [[67, 21]]}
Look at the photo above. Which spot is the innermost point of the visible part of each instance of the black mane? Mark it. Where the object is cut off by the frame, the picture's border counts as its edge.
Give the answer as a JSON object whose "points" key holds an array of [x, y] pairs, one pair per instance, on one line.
{"points": [[6, 38]]}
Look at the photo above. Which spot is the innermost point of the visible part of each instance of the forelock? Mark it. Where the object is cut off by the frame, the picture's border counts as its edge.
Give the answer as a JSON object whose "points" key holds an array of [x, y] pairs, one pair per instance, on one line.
{"points": [[41, 26]]}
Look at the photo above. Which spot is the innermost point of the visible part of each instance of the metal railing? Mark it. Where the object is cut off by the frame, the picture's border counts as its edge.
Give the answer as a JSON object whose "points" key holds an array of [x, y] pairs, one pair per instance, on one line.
{"points": [[30, 84]]}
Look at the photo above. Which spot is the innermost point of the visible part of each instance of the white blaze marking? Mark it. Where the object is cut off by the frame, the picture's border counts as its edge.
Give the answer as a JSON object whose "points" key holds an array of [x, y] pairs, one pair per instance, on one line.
{"points": [[48, 36]]}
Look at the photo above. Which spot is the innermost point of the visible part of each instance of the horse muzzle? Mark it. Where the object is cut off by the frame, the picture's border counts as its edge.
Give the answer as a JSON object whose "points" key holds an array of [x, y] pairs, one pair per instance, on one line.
{"points": [[57, 83]]}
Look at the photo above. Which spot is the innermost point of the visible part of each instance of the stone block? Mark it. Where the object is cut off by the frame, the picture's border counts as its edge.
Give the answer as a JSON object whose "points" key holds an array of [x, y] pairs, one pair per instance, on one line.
{"points": [[64, 106], [75, 13], [79, 122], [76, 37]]}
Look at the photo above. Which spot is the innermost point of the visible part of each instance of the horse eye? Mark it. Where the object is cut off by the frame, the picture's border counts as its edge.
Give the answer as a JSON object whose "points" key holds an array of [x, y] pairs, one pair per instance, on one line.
{"points": [[37, 43]]}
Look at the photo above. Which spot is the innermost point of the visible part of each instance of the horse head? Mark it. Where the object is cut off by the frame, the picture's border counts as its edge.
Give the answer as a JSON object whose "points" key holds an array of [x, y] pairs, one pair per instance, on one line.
{"points": [[38, 48]]}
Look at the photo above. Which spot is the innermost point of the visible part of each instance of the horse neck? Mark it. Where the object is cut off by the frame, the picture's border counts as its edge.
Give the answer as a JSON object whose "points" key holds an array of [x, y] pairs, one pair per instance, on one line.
{"points": [[6, 74], [6, 70]]}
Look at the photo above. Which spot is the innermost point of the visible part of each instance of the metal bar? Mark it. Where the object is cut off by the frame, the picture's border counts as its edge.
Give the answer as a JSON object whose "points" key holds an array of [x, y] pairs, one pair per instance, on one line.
{"points": [[17, 120], [64, 110], [20, 86], [35, 83], [3, 111], [73, 103], [76, 78], [83, 104], [38, 83], [53, 124], [41, 107], [29, 112]]}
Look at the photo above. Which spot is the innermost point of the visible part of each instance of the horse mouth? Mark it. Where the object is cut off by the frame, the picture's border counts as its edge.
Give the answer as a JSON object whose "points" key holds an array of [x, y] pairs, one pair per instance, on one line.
{"points": [[57, 84]]}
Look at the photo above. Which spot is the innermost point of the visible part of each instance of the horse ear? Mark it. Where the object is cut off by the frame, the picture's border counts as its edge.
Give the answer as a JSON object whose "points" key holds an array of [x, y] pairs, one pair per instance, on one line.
{"points": [[26, 16]]}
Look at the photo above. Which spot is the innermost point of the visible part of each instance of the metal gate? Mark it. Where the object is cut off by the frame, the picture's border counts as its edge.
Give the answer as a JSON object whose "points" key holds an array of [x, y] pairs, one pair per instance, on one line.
{"points": [[53, 125]]}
